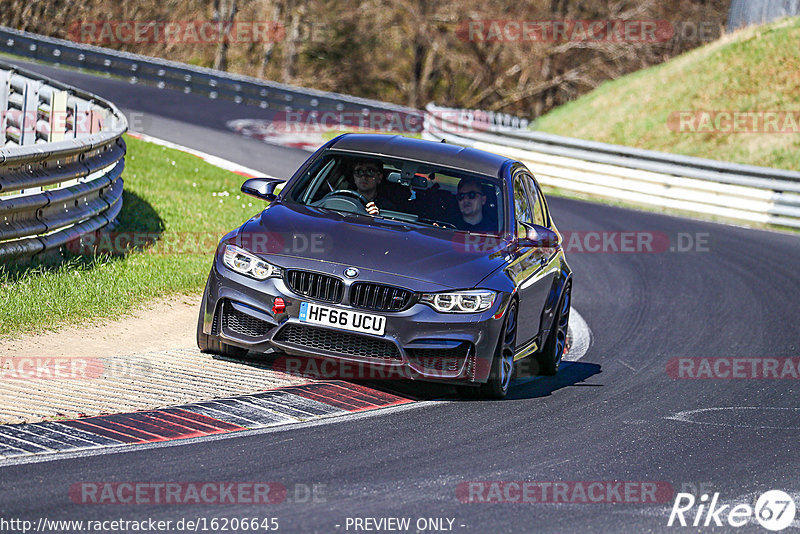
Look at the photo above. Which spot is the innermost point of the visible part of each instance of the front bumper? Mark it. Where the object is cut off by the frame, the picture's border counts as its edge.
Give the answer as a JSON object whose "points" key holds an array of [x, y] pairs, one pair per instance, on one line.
{"points": [[419, 343]]}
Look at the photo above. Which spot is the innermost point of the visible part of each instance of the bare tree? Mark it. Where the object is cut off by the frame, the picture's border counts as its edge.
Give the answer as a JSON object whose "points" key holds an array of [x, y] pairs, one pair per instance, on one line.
{"points": [[278, 8], [226, 19], [294, 14], [404, 51]]}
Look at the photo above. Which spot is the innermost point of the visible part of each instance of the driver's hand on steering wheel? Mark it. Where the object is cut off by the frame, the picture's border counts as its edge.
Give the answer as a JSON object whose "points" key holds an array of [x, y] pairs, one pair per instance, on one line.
{"points": [[372, 209]]}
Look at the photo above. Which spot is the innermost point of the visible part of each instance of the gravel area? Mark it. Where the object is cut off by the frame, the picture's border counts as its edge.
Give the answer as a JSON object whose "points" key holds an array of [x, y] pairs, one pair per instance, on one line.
{"points": [[143, 361]]}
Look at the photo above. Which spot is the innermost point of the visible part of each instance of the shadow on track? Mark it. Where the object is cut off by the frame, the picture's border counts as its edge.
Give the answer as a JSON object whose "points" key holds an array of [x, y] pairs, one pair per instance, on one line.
{"points": [[569, 374]]}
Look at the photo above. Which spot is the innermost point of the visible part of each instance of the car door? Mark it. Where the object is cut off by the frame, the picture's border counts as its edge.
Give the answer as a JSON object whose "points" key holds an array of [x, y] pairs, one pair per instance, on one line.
{"points": [[549, 256], [526, 266], [536, 286]]}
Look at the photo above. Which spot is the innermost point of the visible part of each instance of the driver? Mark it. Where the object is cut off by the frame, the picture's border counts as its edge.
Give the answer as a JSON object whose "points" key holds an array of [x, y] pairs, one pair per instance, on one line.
{"points": [[367, 175]]}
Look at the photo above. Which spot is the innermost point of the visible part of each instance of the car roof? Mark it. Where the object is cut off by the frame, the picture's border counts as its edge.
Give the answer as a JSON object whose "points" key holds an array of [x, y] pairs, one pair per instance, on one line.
{"points": [[444, 154]]}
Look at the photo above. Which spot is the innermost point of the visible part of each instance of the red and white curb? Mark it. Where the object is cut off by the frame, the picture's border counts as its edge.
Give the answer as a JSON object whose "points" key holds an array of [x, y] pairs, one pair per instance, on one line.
{"points": [[273, 408], [267, 131], [282, 406]]}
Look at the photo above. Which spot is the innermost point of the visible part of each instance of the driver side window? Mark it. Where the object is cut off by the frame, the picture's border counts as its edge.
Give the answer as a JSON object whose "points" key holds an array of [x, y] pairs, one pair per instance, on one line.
{"points": [[316, 182]]}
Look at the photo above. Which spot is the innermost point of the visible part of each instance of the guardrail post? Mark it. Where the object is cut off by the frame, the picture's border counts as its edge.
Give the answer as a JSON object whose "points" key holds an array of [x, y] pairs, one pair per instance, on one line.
{"points": [[81, 118], [72, 113], [27, 122], [30, 110], [58, 116], [96, 119]]}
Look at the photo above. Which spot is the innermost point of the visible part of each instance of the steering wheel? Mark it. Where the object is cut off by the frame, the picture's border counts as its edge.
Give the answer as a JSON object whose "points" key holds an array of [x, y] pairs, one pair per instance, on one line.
{"points": [[350, 193], [338, 199]]}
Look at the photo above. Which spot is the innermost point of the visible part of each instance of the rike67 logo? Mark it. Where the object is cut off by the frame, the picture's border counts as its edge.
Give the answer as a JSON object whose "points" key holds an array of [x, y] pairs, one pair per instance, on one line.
{"points": [[774, 510]]}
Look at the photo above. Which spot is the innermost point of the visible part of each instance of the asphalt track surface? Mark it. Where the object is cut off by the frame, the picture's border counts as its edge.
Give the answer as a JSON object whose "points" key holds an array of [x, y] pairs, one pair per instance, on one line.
{"points": [[614, 415]]}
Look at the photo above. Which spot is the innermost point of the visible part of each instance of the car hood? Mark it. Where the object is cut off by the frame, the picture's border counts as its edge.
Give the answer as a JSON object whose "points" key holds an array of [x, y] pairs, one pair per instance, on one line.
{"points": [[443, 257]]}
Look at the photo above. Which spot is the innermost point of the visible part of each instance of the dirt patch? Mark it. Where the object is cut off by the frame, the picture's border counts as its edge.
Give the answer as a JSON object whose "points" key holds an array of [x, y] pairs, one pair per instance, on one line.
{"points": [[167, 323]]}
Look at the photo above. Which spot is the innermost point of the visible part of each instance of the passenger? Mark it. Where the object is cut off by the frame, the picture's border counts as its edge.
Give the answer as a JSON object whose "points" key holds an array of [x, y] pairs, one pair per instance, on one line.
{"points": [[435, 203], [471, 199], [367, 176]]}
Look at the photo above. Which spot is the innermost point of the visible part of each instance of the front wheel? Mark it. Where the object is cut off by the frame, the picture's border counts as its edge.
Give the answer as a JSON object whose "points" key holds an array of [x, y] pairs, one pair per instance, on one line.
{"points": [[502, 369], [549, 358], [212, 344]]}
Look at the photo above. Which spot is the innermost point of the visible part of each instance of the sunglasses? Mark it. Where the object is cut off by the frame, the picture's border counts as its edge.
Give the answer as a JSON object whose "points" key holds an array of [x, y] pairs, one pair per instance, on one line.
{"points": [[469, 194], [363, 173]]}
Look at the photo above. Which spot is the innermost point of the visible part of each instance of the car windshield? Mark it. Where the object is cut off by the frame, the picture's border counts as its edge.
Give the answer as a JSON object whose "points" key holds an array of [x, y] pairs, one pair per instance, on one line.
{"points": [[409, 191]]}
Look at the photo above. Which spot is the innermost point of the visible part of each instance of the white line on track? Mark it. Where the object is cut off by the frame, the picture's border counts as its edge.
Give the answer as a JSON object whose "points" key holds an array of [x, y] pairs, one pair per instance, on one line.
{"points": [[687, 417], [581, 337], [208, 158]]}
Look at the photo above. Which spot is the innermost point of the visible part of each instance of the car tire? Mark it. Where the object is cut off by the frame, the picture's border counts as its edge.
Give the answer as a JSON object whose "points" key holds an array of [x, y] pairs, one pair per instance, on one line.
{"points": [[549, 357], [212, 344], [502, 370]]}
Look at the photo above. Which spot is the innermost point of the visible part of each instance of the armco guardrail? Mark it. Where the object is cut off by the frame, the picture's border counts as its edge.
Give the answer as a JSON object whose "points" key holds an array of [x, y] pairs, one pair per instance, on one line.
{"points": [[61, 161], [744, 192], [187, 78]]}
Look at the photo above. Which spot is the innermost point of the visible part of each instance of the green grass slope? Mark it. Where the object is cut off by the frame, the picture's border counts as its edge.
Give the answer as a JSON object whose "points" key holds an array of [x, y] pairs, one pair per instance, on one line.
{"points": [[753, 70]]}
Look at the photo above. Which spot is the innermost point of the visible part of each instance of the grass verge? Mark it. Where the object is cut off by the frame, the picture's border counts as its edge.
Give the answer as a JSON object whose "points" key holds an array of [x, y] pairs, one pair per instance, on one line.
{"points": [[178, 198], [756, 69]]}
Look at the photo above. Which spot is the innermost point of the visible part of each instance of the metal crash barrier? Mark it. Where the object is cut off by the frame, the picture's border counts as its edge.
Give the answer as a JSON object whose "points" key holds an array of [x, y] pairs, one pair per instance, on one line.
{"points": [[61, 161]]}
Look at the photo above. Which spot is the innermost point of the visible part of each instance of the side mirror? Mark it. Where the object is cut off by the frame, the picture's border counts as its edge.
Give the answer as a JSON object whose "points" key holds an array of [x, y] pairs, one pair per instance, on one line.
{"points": [[538, 236], [262, 188]]}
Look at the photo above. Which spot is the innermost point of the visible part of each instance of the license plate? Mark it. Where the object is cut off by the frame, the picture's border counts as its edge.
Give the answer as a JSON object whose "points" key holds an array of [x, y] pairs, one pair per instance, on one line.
{"points": [[344, 319]]}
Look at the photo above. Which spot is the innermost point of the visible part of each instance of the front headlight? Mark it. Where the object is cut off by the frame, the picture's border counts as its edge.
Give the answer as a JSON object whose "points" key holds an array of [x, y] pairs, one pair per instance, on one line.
{"points": [[472, 301], [239, 260]]}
